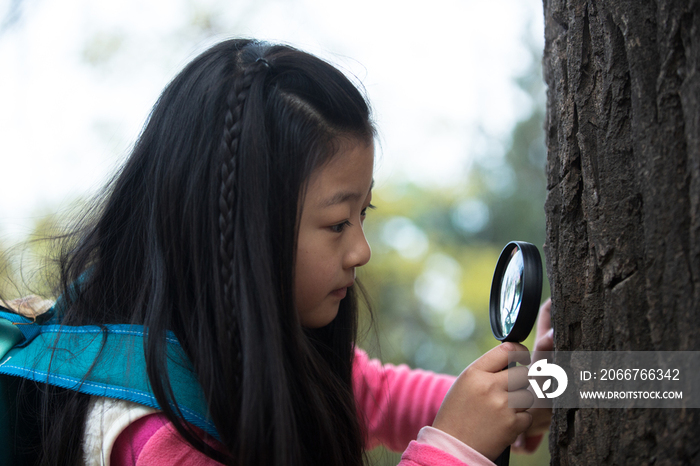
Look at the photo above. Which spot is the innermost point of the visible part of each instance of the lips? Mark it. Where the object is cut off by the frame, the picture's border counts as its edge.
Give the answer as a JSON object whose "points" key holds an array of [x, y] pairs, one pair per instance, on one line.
{"points": [[341, 292]]}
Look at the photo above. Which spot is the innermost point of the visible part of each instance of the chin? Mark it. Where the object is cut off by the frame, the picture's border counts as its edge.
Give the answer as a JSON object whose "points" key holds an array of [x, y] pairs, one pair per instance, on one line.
{"points": [[319, 320]]}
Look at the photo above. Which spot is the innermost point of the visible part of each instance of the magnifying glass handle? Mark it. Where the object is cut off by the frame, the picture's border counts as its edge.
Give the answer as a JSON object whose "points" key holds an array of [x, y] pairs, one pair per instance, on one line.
{"points": [[504, 457]]}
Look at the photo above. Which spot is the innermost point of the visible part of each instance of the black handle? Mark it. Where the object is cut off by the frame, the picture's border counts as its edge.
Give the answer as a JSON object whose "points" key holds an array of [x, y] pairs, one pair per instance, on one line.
{"points": [[504, 457]]}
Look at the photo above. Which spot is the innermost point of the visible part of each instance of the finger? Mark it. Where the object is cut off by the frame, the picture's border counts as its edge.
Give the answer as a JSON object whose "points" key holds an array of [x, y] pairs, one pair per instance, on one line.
{"points": [[512, 378], [520, 355], [523, 420], [546, 342], [541, 404], [541, 419], [497, 359], [517, 378], [544, 319], [520, 400]]}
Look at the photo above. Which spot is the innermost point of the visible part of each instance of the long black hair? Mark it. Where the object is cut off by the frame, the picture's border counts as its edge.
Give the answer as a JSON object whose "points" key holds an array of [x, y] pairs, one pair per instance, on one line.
{"points": [[197, 235]]}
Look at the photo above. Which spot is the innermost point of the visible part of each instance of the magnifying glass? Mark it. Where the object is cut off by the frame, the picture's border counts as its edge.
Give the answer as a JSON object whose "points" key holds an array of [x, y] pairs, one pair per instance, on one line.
{"points": [[515, 298], [516, 290]]}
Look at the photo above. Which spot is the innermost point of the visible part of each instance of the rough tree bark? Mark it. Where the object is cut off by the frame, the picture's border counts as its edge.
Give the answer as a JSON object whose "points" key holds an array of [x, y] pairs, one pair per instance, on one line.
{"points": [[623, 207]]}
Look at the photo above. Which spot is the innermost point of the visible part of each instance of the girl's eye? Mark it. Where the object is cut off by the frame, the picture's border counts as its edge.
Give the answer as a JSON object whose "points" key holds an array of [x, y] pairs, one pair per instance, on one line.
{"points": [[340, 227], [363, 214]]}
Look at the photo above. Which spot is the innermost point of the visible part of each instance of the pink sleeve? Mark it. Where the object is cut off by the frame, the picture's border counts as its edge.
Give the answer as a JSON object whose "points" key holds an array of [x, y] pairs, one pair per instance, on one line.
{"points": [[467, 455], [419, 454], [153, 441], [395, 402]]}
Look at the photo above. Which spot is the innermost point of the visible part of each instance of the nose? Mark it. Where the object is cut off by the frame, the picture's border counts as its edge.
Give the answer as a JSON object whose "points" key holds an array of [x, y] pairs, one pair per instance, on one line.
{"points": [[359, 252]]}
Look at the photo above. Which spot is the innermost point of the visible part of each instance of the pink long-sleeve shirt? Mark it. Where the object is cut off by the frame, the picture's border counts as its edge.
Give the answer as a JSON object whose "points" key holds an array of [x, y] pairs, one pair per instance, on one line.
{"points": [[395, 402]]}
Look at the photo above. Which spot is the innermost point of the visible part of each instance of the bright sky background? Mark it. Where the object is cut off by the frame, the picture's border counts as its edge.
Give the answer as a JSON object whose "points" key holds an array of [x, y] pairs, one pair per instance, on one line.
{"points": [[438, 74]]}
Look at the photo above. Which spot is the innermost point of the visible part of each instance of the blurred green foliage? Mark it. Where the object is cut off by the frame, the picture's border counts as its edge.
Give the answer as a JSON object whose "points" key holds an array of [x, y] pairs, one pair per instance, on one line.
{"points": [[433, 255]]}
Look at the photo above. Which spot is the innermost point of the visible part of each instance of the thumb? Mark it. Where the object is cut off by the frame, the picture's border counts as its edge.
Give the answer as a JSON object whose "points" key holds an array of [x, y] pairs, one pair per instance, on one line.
{"points": [[496, 359]]}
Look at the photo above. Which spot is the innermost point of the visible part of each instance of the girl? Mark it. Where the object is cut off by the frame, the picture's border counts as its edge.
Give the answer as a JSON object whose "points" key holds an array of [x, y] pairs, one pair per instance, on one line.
{"points": [[237, 224]]}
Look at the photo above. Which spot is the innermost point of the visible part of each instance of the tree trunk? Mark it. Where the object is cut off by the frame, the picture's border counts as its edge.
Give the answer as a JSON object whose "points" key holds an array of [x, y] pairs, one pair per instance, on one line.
{"points": [[623, 208]]}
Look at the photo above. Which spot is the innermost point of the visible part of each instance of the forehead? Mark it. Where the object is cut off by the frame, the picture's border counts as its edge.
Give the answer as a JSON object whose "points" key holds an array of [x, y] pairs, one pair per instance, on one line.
{"points": [[346, 175]]}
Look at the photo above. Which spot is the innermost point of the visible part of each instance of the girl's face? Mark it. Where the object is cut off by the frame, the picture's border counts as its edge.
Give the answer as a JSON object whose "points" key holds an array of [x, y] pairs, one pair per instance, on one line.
{"points": [[331, 241]]}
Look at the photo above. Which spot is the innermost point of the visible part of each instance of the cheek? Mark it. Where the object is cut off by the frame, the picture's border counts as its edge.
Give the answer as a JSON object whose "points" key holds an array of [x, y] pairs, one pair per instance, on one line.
{"points": [[314, 274], [306, 274], [310, 263], [301, 274]]}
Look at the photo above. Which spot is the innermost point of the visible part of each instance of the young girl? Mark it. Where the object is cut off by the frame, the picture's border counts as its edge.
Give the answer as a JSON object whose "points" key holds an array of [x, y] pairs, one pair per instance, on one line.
{"points": [[237, 224]]}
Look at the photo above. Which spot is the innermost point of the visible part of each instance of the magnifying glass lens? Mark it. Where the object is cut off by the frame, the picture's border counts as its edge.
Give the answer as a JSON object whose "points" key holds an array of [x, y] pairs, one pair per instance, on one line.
{"points": [[511, 292]]}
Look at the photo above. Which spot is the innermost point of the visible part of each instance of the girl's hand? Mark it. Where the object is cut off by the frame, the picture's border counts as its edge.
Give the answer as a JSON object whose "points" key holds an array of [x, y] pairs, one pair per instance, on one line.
{"points": [[476, 410], [541, 410]]}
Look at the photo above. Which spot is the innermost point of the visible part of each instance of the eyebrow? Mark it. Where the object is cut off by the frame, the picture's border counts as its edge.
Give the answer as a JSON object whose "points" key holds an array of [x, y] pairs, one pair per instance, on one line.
{"points": [[344, 196]]}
